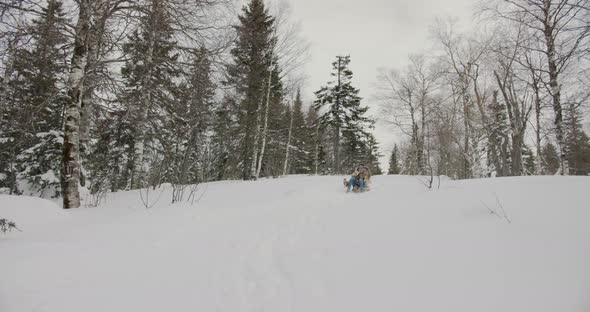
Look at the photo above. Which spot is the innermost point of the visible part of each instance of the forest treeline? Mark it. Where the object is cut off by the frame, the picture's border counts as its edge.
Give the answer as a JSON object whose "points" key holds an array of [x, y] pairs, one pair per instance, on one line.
{"points": [[109, 95], [505, 98]]}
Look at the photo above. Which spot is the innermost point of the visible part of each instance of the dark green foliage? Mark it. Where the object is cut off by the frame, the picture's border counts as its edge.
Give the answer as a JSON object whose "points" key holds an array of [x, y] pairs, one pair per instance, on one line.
{"points": [[550, 159], [31, 135], [343, 119], [528, 159], [315, 161], [151, 94], [393, 161], [578, 143], [252, 58], [301, 140]]}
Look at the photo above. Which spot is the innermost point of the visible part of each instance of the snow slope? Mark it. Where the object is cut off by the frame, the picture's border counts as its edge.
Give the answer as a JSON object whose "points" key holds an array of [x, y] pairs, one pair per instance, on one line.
{"points": [[301, 244]]}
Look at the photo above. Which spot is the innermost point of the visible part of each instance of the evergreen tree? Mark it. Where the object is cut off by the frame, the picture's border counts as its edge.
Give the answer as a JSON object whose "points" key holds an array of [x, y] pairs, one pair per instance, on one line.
{"points": [[38, 100], [372, 160], [252, 61], [300, 139], [149, 75], [343, 116], [315, 161], [577, 141], [11, 131], [187, 156], [498, 139], [529, 160], [550, 159], [393, 161], [225, 147]]}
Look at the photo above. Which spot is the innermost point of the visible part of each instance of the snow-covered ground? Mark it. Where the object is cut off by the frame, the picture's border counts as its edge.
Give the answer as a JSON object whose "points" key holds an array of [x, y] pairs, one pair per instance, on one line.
{"points": [[302, 244]]}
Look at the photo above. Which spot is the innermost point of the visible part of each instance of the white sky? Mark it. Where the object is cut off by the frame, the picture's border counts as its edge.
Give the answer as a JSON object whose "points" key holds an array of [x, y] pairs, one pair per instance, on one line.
{"points": [[375, 33]]}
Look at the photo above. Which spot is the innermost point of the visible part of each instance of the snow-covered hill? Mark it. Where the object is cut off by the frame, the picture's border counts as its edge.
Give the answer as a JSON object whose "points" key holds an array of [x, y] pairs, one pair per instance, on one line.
{"points": [[302, 244]]}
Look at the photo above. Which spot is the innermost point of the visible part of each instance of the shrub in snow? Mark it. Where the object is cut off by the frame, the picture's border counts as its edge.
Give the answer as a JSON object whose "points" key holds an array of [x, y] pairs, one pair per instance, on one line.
{"points": [[7, 225]]}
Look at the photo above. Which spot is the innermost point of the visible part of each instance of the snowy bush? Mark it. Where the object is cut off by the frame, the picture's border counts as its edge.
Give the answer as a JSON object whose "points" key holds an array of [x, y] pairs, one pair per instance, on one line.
{"points": [[7, 225]]}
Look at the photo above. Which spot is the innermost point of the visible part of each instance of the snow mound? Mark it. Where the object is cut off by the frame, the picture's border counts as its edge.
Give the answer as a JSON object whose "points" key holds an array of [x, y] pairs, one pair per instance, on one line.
{"points": [[30, 213], [302, 244]]}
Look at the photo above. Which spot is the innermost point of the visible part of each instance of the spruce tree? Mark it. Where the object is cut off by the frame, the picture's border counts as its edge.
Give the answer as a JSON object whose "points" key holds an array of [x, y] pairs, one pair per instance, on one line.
{"points": [[315, 161], [186, 148], [577, 141], [252, 61], [550, 159], [38, 102], [393, 161], [300, 138], [341, 114], [225, 146], [528, 158], [373, 155], [149, 75], [498, 139]]}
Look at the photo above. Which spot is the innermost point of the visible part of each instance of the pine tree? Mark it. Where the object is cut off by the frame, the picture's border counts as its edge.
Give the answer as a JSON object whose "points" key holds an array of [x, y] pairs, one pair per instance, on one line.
{"points": [[550, 159], [393, 161], [577, 141], [498, 139], [38, 102], [373, 155], [315, 161], [186, 145], [149, 75], [252, 62], [342, 115], [108, 158], [529, 161], [11, 131], [301, 136], [225, 146]]}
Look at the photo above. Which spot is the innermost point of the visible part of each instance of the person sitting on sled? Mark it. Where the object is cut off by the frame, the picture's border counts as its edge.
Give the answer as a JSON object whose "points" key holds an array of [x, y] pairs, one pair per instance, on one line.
{"points": [[364, 176], [355, 182]]}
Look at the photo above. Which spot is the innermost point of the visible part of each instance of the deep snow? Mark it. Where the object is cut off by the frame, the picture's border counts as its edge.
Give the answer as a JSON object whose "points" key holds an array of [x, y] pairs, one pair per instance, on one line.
{"points": [[302, 244]]}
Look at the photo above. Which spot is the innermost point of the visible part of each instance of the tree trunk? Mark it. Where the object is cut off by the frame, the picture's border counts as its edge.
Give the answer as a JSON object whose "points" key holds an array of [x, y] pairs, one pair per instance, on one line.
{"points": [[71, 157], [467, 174], [137, 178], [555, 89], [285, 166], [337, 129], [265, 126], [316, 158]]}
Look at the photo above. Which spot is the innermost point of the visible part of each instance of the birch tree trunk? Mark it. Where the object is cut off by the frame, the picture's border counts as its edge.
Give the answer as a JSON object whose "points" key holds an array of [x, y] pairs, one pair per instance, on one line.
{"points": [[467, 165], [285, 165], [316, 158], [255, 140], [555, 90], [539, 160], [146, 99], [265, 127], [70, 174]]}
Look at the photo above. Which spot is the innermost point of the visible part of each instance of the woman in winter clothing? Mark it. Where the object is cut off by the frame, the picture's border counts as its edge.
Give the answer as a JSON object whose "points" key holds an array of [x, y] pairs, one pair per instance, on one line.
{"points": [[355, 180]]}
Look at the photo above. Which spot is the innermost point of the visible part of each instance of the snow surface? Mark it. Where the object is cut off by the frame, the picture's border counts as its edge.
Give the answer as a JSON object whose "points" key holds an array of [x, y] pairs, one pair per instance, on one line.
{"points": [[302, 244]]}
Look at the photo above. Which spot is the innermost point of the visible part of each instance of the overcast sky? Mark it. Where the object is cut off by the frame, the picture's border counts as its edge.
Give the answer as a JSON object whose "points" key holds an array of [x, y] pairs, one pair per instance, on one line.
{"points": [[375, 33]]}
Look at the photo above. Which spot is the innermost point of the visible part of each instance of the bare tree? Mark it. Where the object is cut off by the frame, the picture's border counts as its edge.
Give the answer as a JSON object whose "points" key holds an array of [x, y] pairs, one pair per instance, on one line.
{"points": [[71, 149], [562, 27], [462, 57], [406, 99]]}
